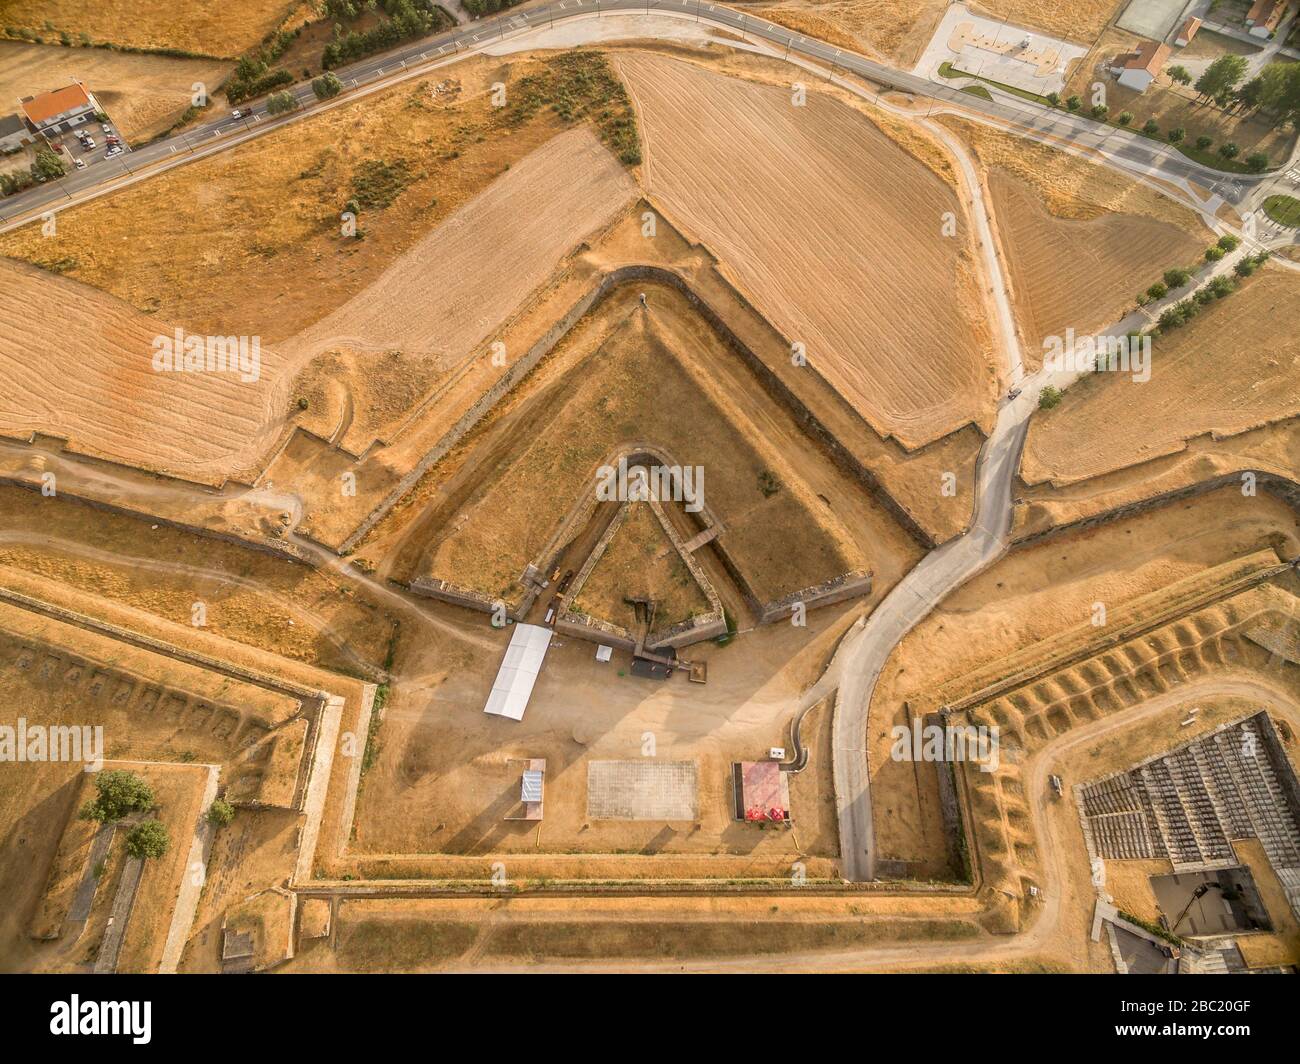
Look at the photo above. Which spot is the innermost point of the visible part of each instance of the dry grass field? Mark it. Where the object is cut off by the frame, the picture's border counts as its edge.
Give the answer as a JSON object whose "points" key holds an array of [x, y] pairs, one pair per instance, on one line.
{"points": [[226, 30], [896, 30], [1081, 21], [250, 240], [1078, 273], [812, 196], [641, 562], [143, 94], [444, 294], [649, 381], [95, 385], [1234, 367]]}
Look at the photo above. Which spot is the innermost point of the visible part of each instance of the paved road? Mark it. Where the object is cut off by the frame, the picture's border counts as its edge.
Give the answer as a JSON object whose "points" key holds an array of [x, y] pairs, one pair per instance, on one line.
{"points": [[225, 132]]}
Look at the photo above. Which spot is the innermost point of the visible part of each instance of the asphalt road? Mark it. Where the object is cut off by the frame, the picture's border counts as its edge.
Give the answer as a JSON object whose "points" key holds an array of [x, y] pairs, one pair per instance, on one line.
{"points": [[1128, 147]]}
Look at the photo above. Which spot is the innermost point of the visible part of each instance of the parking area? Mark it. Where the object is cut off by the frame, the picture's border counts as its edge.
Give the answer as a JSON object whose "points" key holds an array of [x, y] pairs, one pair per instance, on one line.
{"points": [[999, 52], [89, 143]]}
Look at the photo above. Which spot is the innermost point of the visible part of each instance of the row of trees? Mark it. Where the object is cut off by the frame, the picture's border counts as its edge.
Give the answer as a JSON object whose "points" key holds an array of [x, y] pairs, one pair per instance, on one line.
{"points": [[406, 19], [47, 167], [1275, 90]]}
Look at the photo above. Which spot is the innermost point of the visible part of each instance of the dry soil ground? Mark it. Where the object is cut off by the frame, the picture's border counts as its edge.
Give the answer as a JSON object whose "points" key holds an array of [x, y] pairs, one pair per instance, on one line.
{"points": [[813, 195], [143, 94], [896, 30], [1082, 21]]}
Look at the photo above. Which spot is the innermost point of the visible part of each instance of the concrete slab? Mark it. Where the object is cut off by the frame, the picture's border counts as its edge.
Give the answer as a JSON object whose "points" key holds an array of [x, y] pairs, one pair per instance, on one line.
{"points": [[642, 790]]}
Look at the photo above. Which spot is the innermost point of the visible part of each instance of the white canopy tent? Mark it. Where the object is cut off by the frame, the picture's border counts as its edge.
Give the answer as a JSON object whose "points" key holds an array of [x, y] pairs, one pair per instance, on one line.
{"points": [[518, 672]]}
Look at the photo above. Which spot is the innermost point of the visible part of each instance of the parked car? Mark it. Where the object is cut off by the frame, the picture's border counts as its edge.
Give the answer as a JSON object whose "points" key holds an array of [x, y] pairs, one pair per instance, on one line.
{"points": [[104, 126], [88, 144], [116, 150], [80, 164]]}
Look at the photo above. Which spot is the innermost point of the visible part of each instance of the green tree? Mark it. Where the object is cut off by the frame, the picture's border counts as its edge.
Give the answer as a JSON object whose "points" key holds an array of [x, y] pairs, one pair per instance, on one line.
{"points": [[1176, 135], [1054, 98], [47, 166], [147, 839], [1100, 111], [1049, 397], [1229, 150], [1221, 76], [1228, 242], [1213, 253], [1177, 276], [1151, 127], [1180, 75], [1204, 142], [279, 103], [1257, 162], [118, 793], [1073, 103], [1158, 291], [327, 86], [1125, 118], [220, 813]]}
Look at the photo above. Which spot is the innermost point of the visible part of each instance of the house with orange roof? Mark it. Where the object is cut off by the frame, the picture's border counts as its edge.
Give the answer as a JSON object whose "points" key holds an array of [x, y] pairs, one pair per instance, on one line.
{"points": [[1187, 31], [1136, 70], [58, 111], [1264, 17]]}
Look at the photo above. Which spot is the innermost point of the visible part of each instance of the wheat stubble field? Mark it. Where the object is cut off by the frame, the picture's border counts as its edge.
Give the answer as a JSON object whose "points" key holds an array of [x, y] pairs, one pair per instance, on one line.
{"points": [[834, 232]]}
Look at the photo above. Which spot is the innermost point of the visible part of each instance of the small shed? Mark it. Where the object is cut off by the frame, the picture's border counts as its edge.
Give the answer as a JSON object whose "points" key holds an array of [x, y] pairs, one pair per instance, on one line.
{"points": [[532, 786]]}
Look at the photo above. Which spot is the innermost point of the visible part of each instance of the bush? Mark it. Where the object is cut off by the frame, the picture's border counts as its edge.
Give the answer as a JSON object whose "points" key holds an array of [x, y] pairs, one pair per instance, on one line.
{"points": [[280, 103], [220, 813], [1100, 111], [1177, 277], [1054, 98], [1204, 142], [327, 86], [1049, 397], [1151, 127], [1257, 162], [1228, 242], [1176, 135], [1074, 103], [118, 793], [1125, 118], [1244, 268], [148, 839], [1229, 150], [1158, 291], [1221, 286], [1213, 253]]}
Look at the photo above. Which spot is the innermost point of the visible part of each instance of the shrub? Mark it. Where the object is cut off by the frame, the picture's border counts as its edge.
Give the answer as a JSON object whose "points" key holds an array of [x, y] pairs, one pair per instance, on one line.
{"points": [[1054, 98], [1125, 118], [1221, 286], [220, 813], [1228, 242], [1257, 162], [1158, 291], [1204, 142], [1049, 397], [1213, 253], [1244, 268], [1229, 150], [1176, 135], [118, 793], [1177, 277], [1151, 127], [1100, 111], [148, 839], [1074, 103]]}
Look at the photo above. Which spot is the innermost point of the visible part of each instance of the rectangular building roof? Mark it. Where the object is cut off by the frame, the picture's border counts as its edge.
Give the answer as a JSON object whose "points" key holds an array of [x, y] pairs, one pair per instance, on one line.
{"points": [[518, 672], [11, 124], [46, 105]]}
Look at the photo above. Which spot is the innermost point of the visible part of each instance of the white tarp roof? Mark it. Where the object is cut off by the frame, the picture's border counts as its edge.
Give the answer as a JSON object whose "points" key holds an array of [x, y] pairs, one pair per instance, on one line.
{"points": [[532, 789], [518, 672]]}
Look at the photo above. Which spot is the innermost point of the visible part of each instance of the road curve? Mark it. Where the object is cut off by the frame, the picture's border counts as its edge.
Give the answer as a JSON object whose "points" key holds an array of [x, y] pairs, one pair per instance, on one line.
{"points": [[419, 57]]}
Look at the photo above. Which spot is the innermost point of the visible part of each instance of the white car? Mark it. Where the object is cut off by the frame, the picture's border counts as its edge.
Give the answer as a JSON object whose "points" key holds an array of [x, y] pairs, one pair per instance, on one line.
{"points": [[242, 114], [88, 144], [105, 127], [112, 152], [80, 164]]}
